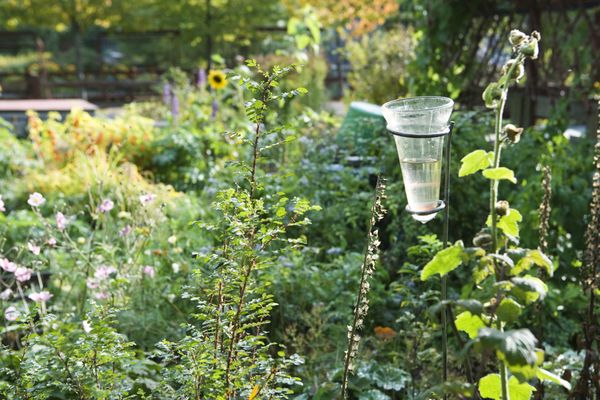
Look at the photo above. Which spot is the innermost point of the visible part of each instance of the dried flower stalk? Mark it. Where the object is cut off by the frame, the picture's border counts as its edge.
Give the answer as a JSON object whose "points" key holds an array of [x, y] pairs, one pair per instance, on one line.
{"points": [[361, 307]]}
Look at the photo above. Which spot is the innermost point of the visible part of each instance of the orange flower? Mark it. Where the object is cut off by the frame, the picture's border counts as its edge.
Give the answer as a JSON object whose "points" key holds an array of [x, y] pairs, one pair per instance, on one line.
{"points": [[384, 332]]}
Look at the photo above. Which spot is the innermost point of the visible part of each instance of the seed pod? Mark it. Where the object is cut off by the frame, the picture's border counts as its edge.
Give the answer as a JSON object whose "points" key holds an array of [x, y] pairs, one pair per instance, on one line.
{"points": [[516, 37], [536, 35], [531, 49], [492, 94], [483, 239], [502, 208], [513, 133], [517, 73]]}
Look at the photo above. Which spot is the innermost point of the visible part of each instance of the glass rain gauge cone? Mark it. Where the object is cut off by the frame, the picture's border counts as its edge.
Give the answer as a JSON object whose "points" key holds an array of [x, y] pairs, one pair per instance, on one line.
{"points": [[419, 126]]}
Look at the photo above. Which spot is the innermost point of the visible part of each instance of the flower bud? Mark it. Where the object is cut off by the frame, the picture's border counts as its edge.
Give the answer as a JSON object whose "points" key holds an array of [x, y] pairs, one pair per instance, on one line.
{"points": [[483, 239], [536, 35], [518, 71], [516, 37], [502, 208], [531, 49], [513, 133], [491, 95]]}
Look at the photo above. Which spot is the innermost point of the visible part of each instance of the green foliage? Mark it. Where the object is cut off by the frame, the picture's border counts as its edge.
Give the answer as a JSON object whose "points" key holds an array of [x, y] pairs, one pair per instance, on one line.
{"points": [[443, 262]]}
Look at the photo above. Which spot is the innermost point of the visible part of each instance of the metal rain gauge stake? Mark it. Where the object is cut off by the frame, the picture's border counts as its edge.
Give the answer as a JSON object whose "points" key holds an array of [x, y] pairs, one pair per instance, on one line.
{"points": [[419, 126]]}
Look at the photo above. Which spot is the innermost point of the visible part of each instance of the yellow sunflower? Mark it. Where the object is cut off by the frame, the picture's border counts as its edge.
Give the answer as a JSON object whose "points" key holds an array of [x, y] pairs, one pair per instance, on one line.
{"points": [[217, 79]]}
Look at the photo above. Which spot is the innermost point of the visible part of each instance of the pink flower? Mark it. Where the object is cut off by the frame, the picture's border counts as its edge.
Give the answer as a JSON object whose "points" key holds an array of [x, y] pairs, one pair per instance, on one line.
{"points": [[36, 200], [92, 283], [51, 242], [61, 221], [40, 297], [2, 208], [106, 206], [104, 272], [5, 295], [149, 271], [7, 265], [101, 295], [23, 274], [11, 313], [125, 231], [33, 248], [145, 199]]}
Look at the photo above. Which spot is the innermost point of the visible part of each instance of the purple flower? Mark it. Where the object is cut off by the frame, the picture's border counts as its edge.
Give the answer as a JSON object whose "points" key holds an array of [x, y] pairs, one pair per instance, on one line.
{"points": [[5, 295], [36, 200], [167, 93], [106, 206], [33, 248], [201, 77], [11, 313], [61, 221], [2, 208], [101, 295], [23, 274], [175, 106], [104, 272], [40, 297], [92, 283], [145, 199], [215, 109], [125, 231], [149, 271], [8, 266]]}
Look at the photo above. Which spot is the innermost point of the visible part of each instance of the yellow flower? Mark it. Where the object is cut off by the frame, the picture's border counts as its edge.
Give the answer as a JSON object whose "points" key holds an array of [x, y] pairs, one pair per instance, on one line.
{"points": [[217, 79]]}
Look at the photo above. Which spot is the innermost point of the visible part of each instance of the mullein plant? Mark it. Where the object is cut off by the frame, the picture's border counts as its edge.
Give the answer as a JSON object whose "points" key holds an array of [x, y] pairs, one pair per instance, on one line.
{"points": [[502, 284], [226, 353], [589, 380], [361, 307]]}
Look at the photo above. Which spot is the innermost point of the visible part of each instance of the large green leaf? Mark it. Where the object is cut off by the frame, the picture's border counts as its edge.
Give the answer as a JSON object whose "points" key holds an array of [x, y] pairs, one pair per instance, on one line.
{"points": [[473, 162], [500, 173], [509, 310], [469, 323], [443, 262], [516, 347], [509, 223], [490, 388], [529, 288]]}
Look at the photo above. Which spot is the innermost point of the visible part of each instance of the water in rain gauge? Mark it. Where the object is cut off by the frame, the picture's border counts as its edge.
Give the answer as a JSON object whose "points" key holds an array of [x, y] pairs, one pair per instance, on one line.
{"points": [[419, 126]]}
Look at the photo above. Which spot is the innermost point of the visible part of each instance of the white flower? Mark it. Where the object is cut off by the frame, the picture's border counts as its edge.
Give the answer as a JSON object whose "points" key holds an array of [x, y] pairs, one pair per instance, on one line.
{"points": [[176, 267], [2, 208], [106, 206], [40, 297], [33, 248], [23, 274], [147, 198], [61, 221], [5, 295], [104, 272], [149, 271], [36, 200], [172, 239], [11, 313], [7, 265], [87, 326]]}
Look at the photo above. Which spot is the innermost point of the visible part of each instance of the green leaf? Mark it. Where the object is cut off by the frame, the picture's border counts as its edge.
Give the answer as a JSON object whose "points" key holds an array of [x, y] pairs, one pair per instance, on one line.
{"points": [[529, 288], [542, 260], [544, 375], [443, 262], [469, 323], [509, 223], [516, 347], [490, 388], [509, 310], [473, 162], [499, 174]]}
